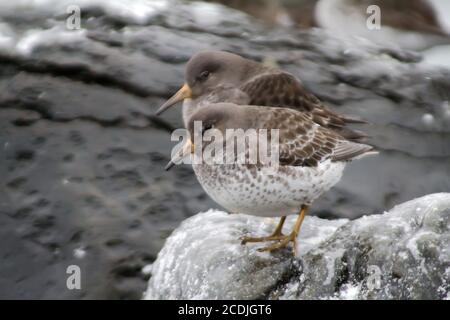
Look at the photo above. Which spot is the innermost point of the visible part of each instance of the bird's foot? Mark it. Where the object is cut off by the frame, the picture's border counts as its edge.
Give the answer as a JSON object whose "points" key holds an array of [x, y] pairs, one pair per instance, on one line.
{"points": [[283, 242], [273, 237], [277, 235]]}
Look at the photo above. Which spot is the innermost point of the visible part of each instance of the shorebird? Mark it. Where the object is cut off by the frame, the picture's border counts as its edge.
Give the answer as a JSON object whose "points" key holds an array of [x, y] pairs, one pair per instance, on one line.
{"points": [[311, 159], [219, 76], [213, 77]]}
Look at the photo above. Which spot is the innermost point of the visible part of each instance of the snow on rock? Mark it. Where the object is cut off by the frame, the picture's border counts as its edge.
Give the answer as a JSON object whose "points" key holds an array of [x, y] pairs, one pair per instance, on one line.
{"points": [[136, 11], [203, 258], [438, 56], [401, 254]]}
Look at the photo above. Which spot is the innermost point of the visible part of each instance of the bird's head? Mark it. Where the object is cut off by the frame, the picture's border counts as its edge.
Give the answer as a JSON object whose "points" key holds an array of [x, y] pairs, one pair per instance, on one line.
{"points": [[208, 126], [208, 70]]}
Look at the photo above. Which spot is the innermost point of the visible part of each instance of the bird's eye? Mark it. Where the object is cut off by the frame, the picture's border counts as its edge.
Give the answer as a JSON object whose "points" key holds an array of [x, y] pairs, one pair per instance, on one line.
{"points": [[204, 75]]}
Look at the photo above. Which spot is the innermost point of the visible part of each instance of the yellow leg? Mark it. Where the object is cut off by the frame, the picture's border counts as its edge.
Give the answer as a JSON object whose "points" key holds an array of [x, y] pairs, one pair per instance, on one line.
{"points": [[292, 236], [276, 235]]}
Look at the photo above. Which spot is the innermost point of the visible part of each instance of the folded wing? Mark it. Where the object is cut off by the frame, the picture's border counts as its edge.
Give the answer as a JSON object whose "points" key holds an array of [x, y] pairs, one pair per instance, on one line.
{"points": [[281, 89], [306, 143]]}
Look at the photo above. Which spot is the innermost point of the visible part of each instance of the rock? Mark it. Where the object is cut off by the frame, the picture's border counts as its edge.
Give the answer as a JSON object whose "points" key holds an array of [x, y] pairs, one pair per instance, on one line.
{"points": [[81, 153], [400, 254]]}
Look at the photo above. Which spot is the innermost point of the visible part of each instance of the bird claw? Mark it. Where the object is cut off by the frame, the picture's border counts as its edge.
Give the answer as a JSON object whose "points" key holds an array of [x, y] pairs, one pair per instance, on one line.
{"points": [[284, 242], [273, 237]]}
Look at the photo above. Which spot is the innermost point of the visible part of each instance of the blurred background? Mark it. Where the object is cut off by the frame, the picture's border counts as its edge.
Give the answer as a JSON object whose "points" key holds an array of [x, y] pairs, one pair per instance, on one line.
{"points": [[82, 154]]}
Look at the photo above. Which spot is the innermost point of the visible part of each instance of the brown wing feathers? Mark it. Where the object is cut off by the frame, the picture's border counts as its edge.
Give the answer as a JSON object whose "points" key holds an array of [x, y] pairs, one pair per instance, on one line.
{"points": [[284, 90], [305, 143]]}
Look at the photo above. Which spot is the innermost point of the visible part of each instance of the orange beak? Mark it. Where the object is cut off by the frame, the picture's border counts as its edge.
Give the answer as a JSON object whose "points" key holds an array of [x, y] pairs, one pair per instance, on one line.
{"points": [[184, 93]]}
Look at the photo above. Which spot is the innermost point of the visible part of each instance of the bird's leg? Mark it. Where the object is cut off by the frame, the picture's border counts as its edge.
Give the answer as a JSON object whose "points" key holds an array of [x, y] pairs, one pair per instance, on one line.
{"points": [[279, 229], [276, 235], [292, 236]]}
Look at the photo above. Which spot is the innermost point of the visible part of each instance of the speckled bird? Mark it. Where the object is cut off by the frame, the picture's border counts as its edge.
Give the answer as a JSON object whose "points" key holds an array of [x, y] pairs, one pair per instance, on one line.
{"points": [[311, 160], [218, 76], [226, 91]]}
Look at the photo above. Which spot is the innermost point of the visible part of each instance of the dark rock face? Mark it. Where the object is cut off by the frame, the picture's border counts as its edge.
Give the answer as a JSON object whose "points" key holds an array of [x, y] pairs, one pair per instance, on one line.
{"points": [[82, 154]]}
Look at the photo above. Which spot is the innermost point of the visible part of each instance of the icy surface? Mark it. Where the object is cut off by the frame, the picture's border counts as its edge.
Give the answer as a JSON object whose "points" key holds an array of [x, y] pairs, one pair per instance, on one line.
{"points": [[401, 254], [136, 11], [438, 56]]}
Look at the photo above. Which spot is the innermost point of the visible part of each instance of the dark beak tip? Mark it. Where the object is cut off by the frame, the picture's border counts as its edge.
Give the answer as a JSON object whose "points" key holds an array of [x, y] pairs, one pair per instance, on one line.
{"points": [[169, 166], [159, 111]]}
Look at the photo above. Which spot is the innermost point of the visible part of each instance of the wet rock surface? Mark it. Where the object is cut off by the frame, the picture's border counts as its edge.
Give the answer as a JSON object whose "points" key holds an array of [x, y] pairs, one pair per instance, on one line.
{"points": [[82, 153], [401, 254]]}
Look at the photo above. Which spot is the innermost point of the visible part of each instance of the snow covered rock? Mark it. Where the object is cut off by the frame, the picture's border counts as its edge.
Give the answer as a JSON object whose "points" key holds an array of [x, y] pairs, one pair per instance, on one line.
{"points": [[401, 254]]}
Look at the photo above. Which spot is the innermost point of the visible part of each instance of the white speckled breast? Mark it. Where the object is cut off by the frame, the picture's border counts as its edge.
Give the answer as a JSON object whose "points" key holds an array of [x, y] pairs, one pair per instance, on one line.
{"points": [[266, 191]]}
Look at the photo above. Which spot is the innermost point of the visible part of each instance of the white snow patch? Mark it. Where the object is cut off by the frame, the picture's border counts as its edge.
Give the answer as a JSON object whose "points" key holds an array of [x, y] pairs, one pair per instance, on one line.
{"points": [[206, 14], [136, 11], [147, 269], [438, 56], [79, 253], [428, 119], [56, 35], [315, 233], [349, 291], [412, 244], [24, 43], [331, 263]]}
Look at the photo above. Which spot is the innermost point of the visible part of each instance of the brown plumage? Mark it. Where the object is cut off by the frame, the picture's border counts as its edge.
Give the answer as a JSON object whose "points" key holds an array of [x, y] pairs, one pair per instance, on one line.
{"points": [[281, 89], [312, 159], [225, 91], [247, 82], [302, 142]]}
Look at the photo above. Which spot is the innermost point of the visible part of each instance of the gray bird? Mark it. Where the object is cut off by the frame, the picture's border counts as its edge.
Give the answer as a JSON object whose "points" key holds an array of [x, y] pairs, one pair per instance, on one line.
{"points": [[215, 77], [311, 160], [218, 76]]}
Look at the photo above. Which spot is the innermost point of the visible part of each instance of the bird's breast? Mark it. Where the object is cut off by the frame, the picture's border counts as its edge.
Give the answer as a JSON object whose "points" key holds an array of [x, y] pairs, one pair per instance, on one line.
{"points": [[267, 191]]}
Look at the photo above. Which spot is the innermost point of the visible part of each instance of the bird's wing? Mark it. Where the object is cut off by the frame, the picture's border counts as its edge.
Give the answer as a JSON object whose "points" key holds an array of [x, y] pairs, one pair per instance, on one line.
{"points": [[281, 89], [302, 142]]}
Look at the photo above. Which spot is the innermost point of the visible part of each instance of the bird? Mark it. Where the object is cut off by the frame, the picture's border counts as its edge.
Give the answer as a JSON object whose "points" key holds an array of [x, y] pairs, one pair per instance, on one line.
{"points": [[310, 160], [220, 76]]}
